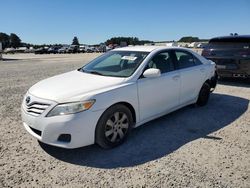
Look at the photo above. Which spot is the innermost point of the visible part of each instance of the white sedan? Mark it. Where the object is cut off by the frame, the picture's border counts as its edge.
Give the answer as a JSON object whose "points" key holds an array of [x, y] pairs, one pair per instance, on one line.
{"points": [[122, 89]]}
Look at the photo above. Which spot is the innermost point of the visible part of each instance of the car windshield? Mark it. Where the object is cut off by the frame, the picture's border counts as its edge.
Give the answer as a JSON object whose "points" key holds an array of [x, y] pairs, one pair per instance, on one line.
{"points": [[115, 63]]}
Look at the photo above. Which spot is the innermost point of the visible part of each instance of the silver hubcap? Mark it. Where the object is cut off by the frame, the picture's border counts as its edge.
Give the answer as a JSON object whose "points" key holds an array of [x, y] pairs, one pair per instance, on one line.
{"points": [[116, 127]]}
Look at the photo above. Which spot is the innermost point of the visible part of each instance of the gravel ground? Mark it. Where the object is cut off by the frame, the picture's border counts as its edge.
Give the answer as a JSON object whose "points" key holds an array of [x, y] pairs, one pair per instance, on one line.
{"points": [[192, 147]]}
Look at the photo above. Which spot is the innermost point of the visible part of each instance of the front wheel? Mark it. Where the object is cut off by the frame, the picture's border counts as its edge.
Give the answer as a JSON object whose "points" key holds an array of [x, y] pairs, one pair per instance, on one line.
{"points": [[114, 126], [204, 95]]}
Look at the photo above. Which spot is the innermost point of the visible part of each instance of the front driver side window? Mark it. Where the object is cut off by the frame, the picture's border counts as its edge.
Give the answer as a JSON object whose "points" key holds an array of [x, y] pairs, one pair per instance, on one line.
{"points": [[162, 61]]}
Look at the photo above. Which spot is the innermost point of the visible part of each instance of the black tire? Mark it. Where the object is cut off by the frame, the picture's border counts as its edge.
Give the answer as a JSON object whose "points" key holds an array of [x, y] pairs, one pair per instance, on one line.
{"points": [[108, 130], [203, 95], [213, 82]]}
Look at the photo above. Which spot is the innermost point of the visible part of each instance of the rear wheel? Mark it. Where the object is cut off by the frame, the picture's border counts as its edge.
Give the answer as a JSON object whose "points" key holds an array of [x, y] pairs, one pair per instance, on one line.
{"points": [[203, 95], [213, 82], [114, 126]]}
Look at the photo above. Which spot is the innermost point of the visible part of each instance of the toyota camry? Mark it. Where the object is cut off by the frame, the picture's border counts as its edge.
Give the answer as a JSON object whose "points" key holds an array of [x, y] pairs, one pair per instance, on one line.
{"points": [[104, 100]]}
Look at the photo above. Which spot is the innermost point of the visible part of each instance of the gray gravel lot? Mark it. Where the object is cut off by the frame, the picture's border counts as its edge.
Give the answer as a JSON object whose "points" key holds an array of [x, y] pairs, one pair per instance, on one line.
{"points": [[192, 147]]}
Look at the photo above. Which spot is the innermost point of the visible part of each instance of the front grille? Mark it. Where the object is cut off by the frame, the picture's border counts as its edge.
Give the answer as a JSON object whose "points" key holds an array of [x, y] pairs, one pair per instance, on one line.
{"points": [[36, 108]]}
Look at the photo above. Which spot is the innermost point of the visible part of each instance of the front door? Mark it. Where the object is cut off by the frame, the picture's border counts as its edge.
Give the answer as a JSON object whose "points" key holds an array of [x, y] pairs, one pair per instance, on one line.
{"points": [[160, 94]]}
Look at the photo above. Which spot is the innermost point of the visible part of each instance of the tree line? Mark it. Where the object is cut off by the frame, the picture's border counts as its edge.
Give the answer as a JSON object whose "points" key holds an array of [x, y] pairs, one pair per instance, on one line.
{"points": [[127, 40], [14, 41], [191, 39], [11, 40]]}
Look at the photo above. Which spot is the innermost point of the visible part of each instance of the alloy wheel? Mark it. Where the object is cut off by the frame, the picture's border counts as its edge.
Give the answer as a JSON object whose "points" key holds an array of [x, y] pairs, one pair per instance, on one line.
{"points": [[116, 127]]}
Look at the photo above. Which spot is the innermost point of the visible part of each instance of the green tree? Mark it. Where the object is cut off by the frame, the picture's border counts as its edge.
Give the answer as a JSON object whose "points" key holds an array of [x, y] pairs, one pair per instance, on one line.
{"points": [[15, 41], [4, 39], [127, 40], [189, 39], [75, 41]]}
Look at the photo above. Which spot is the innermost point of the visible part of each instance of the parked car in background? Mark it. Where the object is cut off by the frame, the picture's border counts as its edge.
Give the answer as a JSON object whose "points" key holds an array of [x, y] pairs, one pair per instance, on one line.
{"points": [[72, 49], [62, 50], [122, 89], [20, 49], [9, 50], [231, 54], [89, 49], [102, 48], [53, 50], [201, 45], [43, 50], [96, 49], [29, 50], [81, 49]]}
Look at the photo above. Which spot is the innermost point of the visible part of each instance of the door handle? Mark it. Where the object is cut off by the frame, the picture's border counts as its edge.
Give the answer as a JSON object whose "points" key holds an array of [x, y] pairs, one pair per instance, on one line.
{"points": [[202, 70], [176, 77]]}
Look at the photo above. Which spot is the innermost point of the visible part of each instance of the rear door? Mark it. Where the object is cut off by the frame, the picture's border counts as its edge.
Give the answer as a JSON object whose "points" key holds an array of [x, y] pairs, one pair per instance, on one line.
{"points": [[192, 73]]}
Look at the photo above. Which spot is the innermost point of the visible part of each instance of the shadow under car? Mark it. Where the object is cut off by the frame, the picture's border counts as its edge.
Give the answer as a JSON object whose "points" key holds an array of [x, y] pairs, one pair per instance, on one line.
{"points": [[237, 82], [159, 137]]}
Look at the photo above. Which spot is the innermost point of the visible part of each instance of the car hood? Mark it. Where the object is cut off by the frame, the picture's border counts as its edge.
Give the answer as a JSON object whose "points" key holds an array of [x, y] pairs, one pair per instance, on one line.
{"points": [[72, 86]]}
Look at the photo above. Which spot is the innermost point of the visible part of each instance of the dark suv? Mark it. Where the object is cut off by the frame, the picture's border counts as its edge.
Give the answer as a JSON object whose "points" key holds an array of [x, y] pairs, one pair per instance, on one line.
{"points": [[231, 55]]}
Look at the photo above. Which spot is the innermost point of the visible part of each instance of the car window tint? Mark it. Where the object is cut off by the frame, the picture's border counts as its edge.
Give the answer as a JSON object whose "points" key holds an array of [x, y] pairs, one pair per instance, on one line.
{"points": [[131, 63], [116, 63], [110, 61], [197, 61], [184, 59], [162, 61]]}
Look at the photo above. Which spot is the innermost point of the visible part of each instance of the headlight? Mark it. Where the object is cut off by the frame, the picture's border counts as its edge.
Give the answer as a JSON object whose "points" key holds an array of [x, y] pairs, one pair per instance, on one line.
{"points": [[70, 108]]}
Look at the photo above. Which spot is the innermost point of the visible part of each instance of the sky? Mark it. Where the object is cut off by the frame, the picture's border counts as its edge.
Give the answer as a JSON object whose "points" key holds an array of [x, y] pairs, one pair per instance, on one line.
{"points": [[95, 21]]}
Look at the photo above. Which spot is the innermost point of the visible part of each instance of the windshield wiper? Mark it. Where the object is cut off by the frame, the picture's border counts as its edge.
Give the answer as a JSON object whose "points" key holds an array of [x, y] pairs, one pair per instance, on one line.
{"points": [[81, 70], [91, 72], [95, 72]]}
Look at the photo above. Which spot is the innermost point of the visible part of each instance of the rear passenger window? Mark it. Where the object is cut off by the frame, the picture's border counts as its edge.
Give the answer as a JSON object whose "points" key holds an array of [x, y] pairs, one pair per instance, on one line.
{"points": [[185, 60], [197, 61]]}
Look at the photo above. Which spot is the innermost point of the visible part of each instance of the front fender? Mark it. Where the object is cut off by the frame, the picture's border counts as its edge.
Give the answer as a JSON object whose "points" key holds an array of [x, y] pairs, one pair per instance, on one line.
{"points": [[125, 93]]}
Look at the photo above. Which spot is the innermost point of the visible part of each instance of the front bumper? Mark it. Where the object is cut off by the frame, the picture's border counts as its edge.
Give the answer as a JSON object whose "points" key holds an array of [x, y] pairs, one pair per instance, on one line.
{"points": [[81, 126]]}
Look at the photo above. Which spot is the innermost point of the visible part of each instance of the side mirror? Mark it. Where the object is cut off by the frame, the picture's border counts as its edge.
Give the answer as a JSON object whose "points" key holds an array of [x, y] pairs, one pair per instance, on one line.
{"points": [[152, 73]]}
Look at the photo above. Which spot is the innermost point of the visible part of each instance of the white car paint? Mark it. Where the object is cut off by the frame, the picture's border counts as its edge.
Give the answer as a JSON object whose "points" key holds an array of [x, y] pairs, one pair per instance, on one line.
{"points": [[149, 97], [153, 92], [72, 86]]}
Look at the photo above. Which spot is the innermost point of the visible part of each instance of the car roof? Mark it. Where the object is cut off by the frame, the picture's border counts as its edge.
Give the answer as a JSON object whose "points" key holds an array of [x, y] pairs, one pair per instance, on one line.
{"points": [[233, 38], [145, 48]]}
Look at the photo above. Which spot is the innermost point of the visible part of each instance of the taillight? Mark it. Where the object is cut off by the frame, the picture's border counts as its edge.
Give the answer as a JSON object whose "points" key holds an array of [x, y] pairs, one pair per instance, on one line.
{"points": [[244, 53], [206, 52]]}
